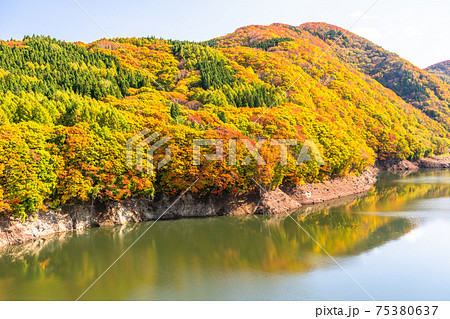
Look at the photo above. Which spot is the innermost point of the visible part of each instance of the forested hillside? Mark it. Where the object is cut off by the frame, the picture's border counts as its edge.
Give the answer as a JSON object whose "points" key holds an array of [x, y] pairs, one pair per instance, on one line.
{"points": [[67, 109], [441, 70], [415, 86]]}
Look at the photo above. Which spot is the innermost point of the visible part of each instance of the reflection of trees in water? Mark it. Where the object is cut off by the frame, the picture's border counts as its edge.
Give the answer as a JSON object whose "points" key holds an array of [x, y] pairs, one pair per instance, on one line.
{"points": [[176, 252], [342, 233], [395, 193]]}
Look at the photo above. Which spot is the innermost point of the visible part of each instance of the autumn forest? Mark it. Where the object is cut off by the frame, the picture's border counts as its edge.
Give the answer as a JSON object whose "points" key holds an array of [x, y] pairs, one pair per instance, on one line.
{"points": [[67, 110]]}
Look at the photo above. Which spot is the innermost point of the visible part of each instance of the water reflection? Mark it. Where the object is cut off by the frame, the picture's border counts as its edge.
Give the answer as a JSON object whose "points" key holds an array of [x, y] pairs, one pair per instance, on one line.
{"points": [[193, 258]]}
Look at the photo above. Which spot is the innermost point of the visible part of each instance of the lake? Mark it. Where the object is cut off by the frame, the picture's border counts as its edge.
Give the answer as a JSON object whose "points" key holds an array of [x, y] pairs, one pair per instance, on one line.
{"points": [[394, 241]]}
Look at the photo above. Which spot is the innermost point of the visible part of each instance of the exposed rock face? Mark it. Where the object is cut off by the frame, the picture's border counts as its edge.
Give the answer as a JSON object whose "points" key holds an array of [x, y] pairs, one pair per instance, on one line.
{"points": [[434, 162], [337, 188], [277, 202], [427, 162], [405, 166], [78, 217], [399, 165], [45, 223]]}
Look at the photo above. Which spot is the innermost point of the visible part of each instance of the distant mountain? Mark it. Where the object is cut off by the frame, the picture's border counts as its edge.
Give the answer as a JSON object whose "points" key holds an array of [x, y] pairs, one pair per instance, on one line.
{"points": [[441, 70], [411, 83]]}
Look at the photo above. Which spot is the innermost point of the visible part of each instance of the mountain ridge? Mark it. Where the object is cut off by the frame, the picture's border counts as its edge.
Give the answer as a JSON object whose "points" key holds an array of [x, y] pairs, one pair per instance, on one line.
{"points": [[432, 98], [441, 70]]}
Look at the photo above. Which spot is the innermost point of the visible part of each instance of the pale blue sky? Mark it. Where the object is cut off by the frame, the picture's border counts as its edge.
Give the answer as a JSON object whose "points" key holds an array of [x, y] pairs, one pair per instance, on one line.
{"points": [[418, 30]]}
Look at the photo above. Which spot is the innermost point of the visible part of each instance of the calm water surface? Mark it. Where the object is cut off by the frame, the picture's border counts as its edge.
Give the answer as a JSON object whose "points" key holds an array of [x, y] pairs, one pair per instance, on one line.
{"points": [[394, 240]]}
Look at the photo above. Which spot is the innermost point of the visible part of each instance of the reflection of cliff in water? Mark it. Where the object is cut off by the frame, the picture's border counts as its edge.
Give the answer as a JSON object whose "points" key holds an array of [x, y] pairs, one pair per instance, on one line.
{"points": [[179, 251]]}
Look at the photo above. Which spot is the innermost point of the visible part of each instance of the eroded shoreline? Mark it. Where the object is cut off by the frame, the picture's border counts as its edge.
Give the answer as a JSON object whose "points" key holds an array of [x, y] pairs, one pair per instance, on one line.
{"points": [[279, 201]]}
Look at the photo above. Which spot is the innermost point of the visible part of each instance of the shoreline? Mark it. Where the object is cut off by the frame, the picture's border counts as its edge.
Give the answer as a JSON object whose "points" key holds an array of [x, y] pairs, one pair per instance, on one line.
{"points": [[84, 216]]}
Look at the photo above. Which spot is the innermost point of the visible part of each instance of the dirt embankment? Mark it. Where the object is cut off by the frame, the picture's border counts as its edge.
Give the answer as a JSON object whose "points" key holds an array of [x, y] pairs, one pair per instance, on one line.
{"points": [[279, 201]]}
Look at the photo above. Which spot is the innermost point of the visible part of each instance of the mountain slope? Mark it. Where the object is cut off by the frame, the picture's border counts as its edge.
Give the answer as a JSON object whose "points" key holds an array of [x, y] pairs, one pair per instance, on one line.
{"points": [[412, 84], [289, 62], [67, 109], [441, 70]]}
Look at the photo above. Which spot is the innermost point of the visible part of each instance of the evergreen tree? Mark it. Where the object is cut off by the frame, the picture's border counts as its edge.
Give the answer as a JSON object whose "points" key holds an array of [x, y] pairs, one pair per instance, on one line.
{"points": [[174, 111], [222, 116]]}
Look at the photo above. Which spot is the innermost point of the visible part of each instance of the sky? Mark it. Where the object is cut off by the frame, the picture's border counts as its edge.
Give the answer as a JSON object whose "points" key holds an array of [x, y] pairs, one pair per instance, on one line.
{"points": [[417, 30]]}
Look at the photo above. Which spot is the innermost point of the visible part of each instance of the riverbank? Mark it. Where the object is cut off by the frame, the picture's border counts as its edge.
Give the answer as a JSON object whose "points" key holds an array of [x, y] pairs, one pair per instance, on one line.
{"points": [[279, 201], [436, 162]]}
